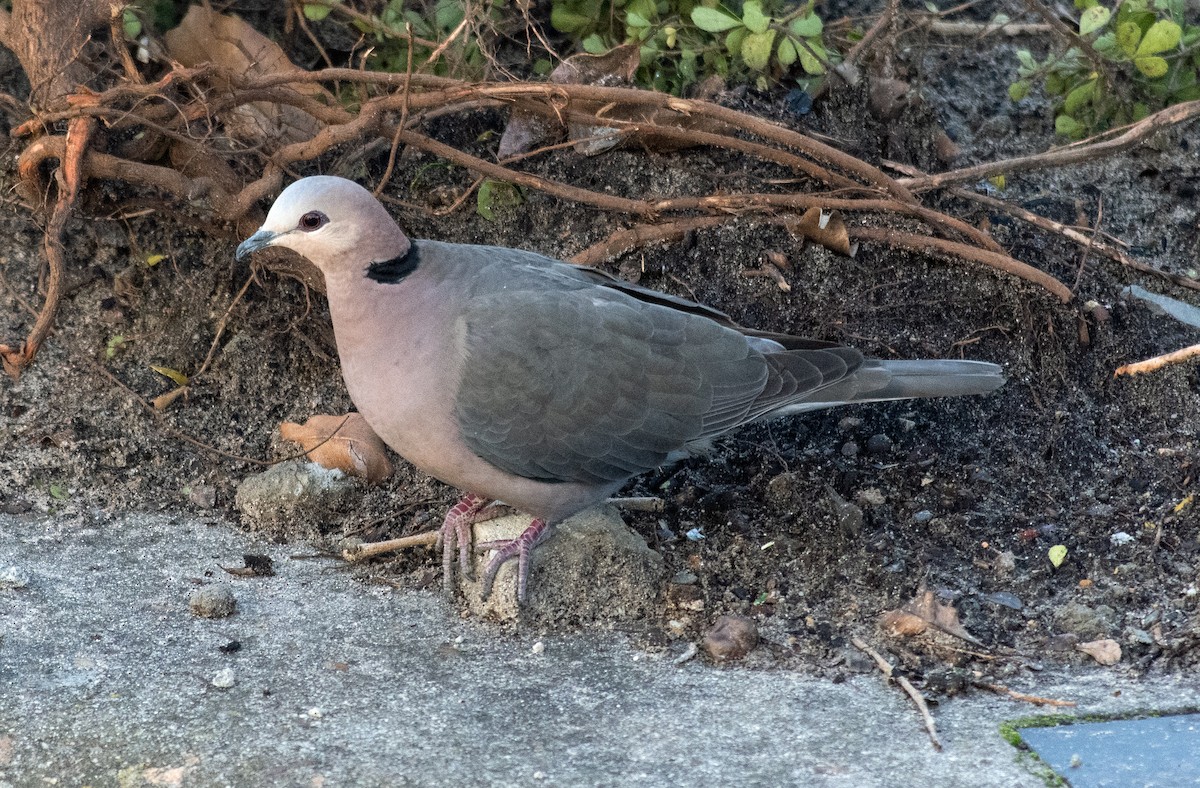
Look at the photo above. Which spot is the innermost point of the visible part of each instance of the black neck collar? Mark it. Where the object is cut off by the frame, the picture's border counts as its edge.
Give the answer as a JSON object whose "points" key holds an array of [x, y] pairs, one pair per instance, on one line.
{"points": [[394, 271]]}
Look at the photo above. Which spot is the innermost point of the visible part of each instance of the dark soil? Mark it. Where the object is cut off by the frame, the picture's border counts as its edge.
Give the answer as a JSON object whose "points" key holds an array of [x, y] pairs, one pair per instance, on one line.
{"points": [[963, 497]]}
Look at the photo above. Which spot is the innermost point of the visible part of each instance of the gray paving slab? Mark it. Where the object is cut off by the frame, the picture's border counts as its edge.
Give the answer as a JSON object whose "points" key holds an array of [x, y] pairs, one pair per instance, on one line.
{"points": [[1156, 752], [106, 679]]}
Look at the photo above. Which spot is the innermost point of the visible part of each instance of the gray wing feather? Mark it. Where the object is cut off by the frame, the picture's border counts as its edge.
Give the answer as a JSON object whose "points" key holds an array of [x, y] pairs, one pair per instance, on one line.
{"points": [[591, 386]]}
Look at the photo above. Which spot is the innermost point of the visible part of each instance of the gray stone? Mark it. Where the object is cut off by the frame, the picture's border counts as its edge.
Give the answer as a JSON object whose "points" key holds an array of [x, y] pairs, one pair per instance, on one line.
{"points": [[292, 493], [1085, 622], [594, 569], [214, 601]]}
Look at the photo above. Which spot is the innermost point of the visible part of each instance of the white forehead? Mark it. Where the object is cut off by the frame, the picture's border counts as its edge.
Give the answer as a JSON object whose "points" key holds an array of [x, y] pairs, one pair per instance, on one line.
{"points": [[337, 198]]}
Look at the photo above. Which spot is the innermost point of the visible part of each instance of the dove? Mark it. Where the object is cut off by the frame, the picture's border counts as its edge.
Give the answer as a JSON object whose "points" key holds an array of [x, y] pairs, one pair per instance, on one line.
{"points": [[529, 382]]}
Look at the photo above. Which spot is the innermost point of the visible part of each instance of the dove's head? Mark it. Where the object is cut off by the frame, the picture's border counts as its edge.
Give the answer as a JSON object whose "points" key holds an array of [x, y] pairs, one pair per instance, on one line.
{"points": [[335, 223]]}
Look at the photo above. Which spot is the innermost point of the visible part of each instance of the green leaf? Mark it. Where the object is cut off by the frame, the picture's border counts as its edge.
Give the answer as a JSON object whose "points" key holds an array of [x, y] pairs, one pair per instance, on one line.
{"points": [[787, 52], [806, 26], [448, 15], [154, 259], [175, 375], [593, 45], [1105, 44], [753, 17], [1153, 67], [315, 13], [131, 25], [58, 492], [1093, 19], [494, 195], [114, 344], [710, 20], [1057, 555], [811, 61], [634, 19], [1019, 89], [1078, 97], [1068, 127], [733, 41], [1162, 36], [756, 50], [1025, 58], [484, 200], [1128, 37], [565, 21]]}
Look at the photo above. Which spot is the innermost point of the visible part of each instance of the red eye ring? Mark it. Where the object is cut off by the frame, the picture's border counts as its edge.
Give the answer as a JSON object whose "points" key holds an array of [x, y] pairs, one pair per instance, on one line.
{"points": [[313, 220]]}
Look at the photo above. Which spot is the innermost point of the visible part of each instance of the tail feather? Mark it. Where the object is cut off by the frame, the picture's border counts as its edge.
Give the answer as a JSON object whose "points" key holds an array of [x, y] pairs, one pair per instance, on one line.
{"points": [[878, 381]]}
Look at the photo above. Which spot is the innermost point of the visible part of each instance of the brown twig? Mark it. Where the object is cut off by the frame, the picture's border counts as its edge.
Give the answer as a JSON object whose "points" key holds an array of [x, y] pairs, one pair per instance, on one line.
{"points": [[70, 176], [924, 244], [1021, 696], [363, 551], [622, 241], [1099, 146], [1157, 362], [886, 668]]}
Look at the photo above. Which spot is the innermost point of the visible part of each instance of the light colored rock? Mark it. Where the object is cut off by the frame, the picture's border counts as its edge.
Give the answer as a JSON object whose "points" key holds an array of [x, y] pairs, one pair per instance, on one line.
{"points": [[291, 493], [593, 569]]}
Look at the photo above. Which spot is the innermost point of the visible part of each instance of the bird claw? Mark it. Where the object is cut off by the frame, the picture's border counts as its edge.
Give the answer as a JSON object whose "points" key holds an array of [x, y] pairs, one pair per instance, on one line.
{"points": [[519, 548], [455, 536]]}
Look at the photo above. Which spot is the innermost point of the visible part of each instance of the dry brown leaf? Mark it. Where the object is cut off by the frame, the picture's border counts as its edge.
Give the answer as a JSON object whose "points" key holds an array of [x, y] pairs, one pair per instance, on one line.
{"points": [[827, 229], [901, 624], [527, 130], [236, 49], [926, 607], [1106, 651], [354, 448]]}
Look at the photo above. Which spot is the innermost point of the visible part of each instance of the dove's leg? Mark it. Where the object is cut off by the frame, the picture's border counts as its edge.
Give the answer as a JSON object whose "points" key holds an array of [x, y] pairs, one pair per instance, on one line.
{"points": [[519, 548], [456, 532]]}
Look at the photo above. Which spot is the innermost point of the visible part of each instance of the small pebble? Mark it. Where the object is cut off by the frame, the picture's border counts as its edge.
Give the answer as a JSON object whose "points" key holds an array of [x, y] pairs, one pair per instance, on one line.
{"points": [[695, 534], [12, 578], [684, 578], [879, 444], [923, 516], [848, 423], [1120, 538], [214, 601], [849, 449], [203, 495], [1005, 562], [731, 637], [539, 647], [224, 679], [1005, 599], [871, 496], [906, 425]]}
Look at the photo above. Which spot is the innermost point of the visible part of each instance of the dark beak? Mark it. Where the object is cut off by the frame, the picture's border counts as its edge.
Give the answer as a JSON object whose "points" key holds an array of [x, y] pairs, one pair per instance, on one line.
{"points": [[254, 243]]}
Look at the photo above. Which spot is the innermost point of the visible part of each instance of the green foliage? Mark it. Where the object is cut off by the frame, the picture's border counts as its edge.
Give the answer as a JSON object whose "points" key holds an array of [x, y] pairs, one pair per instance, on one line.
{"points": [[496, 196], [1131, 60], [684, 41], [431, 21]]}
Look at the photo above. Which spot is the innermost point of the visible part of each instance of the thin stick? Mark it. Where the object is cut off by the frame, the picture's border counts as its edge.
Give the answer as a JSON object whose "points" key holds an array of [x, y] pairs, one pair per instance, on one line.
{"points": [[1157, 362], [359, 552], [1093, 148], [886, 668], [1034, 699], [647, 504], [920, 243]]}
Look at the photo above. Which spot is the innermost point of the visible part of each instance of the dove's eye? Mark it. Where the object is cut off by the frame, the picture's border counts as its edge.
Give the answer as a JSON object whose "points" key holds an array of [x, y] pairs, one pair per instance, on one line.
{"points": [[313, 220]]}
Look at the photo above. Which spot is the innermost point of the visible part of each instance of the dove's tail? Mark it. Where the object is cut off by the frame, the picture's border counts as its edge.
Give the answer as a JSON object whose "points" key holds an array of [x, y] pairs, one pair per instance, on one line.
{"points": [[877, 381]]}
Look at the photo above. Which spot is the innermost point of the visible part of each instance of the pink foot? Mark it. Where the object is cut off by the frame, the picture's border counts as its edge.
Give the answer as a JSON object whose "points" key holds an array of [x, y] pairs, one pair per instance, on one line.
{"points": [[519, 548], [456, 532]]}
